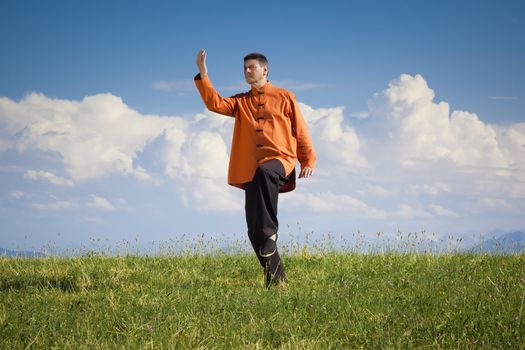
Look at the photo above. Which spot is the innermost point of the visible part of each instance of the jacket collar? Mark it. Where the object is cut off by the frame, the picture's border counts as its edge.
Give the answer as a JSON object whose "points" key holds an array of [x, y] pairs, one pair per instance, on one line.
{"points": [[266, 87]]}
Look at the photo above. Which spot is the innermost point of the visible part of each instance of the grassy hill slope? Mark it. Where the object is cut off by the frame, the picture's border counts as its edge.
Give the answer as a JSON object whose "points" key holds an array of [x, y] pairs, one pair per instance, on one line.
{"points": [[218, 301]]}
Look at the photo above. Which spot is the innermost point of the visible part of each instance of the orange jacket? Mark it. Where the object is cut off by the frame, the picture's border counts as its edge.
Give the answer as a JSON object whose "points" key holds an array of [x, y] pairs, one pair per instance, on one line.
{"points": [[268, 125]]}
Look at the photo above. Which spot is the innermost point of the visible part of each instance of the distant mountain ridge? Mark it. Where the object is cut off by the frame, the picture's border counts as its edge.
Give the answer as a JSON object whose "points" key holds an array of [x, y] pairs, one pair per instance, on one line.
{"points": [[22, 253], [510, 242]]}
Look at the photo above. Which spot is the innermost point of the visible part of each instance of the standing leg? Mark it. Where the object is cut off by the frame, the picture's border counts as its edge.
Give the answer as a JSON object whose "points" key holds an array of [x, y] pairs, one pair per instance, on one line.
{"points": [[261, 196]]}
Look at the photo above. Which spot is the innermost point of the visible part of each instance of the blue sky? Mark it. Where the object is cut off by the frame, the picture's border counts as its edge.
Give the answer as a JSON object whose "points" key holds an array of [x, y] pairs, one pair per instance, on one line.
{"points": [[416, 109]]}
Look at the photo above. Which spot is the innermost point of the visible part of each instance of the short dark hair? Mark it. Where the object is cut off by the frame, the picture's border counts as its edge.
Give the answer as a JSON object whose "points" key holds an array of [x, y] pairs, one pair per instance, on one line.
{"points": [[257, 56]]}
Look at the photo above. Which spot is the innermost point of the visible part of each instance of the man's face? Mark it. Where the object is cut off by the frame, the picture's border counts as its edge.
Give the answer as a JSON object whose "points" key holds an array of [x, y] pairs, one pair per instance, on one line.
{"points": [[254, 72]]}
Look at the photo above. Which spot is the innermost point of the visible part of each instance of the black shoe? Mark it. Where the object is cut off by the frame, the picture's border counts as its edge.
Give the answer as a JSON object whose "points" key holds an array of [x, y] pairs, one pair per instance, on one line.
{"points": [[268, 248]]}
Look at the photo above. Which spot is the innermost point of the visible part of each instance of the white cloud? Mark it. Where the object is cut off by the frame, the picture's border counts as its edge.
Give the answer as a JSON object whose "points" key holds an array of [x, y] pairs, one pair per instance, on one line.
{"points": [[336, 142], [100, 203], [211, 194], [57, 205], [360, 115], [422, 146], [496, 204], [95, 137], [142, 174], [409, 149], [423, 130], [93, 220], [441, 211], [47, 176], [377, 190], [179, 87], [328, 202], [198, 162], [511, 141], [432, 190], [408, 212], [100, 136], [201, 154], [18, 195]]}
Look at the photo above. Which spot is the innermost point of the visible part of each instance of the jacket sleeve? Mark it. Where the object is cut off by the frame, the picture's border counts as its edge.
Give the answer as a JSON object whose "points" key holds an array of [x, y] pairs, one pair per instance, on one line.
{"points": [[211, 98], [305, 150]]}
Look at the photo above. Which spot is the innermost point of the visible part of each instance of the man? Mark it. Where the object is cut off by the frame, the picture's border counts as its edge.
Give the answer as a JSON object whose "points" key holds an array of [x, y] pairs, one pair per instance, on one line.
{"points": [[269, 136]]}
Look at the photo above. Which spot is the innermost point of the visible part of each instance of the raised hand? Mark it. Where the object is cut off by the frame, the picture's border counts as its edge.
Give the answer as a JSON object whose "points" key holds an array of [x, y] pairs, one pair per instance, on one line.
{"points": [[201, 63], [306, 172]]}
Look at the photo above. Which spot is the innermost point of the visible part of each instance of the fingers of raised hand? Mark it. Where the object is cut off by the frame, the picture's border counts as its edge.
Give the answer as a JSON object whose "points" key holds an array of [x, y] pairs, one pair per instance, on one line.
{"points": [[201, 56], [306, 172]]}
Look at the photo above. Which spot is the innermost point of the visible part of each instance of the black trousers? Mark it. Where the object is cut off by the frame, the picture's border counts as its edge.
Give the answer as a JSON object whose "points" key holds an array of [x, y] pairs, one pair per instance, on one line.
{"points": [[261, 196]]}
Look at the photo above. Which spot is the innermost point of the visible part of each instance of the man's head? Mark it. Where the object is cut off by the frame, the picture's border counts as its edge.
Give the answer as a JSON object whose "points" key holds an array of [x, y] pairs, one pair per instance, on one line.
{"points": [[255, 69]]}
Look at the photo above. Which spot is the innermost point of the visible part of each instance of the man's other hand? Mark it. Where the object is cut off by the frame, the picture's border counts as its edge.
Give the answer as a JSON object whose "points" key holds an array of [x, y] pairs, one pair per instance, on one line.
{"points": [[201, 63], [306, 172]]}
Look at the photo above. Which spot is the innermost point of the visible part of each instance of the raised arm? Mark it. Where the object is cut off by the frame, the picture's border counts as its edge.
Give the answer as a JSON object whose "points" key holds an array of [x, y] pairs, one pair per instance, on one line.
{"points": [[211, 98]]}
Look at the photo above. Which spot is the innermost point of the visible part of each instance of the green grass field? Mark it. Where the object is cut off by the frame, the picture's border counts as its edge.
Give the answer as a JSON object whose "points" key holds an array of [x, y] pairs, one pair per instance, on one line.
{"points": [[202, 301]]}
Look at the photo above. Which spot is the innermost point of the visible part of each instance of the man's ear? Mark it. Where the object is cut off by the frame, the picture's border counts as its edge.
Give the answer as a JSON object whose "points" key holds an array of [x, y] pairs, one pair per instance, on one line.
{"points": [[266, 70]]}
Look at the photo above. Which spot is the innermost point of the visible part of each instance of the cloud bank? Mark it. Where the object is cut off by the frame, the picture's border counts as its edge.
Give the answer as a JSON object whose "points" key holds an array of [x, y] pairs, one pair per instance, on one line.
{"points": [[101, 136], [412, 158]]}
